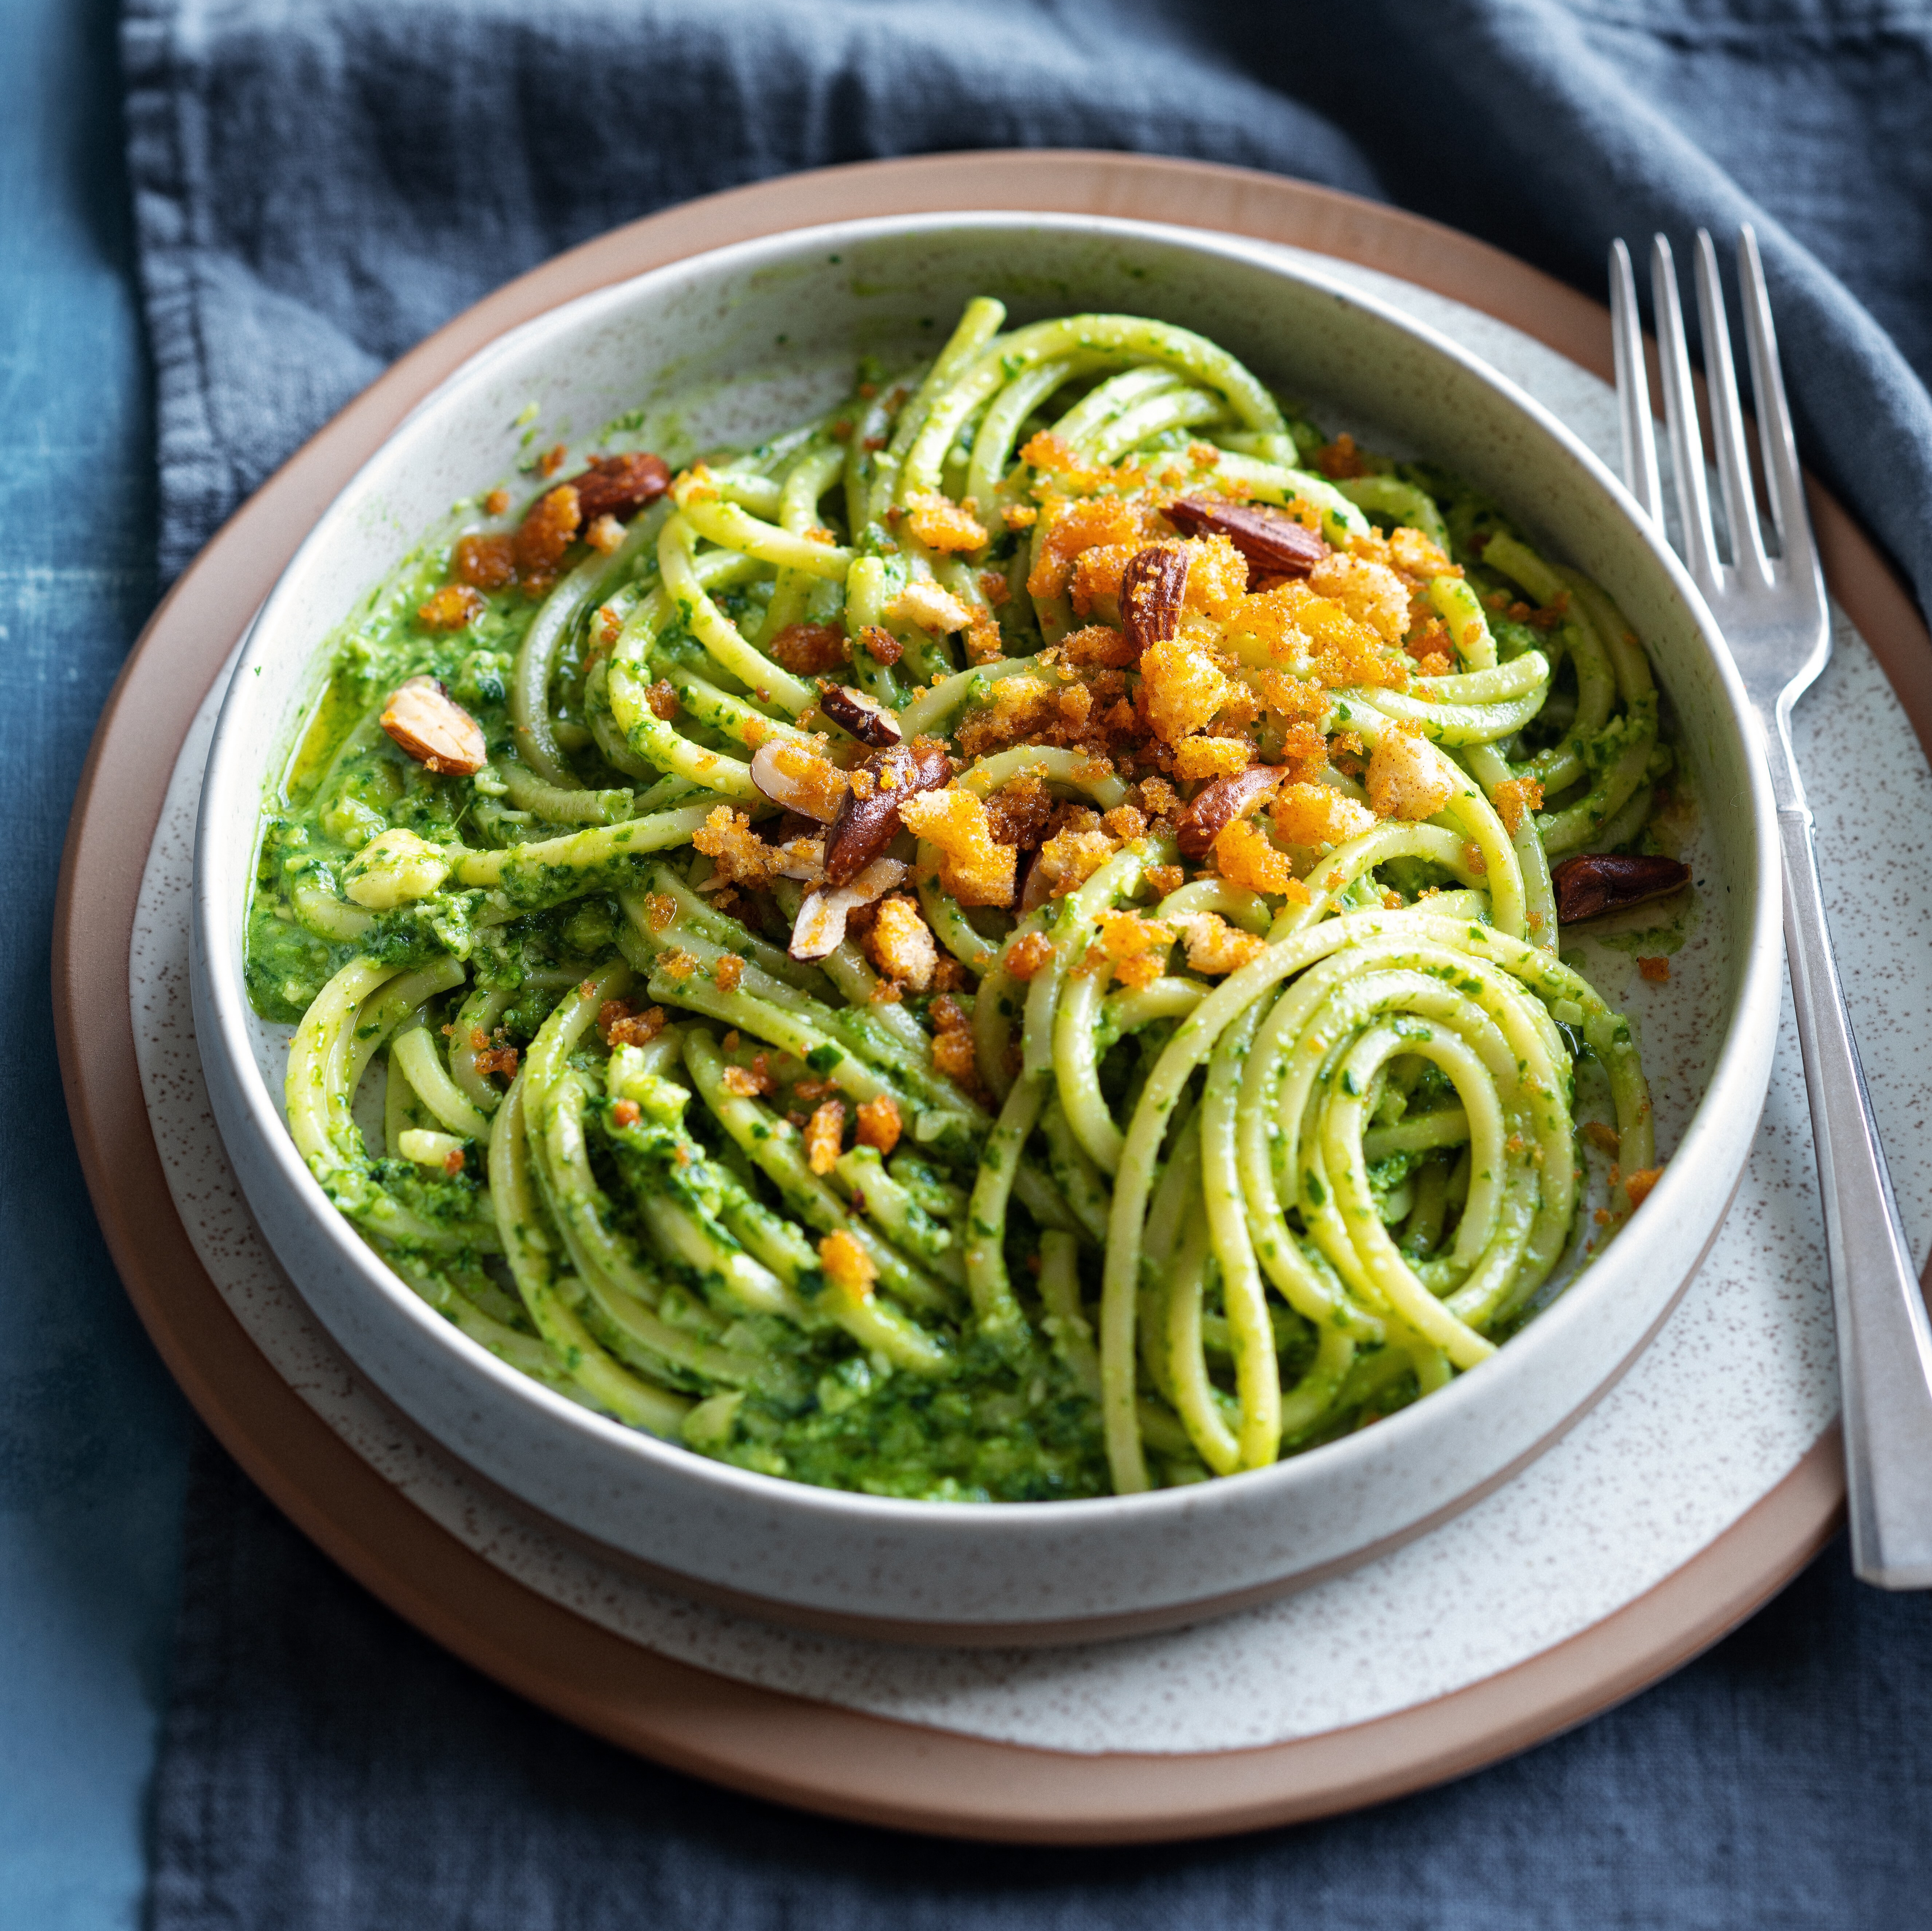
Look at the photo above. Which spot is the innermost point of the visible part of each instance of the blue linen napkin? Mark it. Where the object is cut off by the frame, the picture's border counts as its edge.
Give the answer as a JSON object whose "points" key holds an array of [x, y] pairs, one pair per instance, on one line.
{"points": [[316, 186]]}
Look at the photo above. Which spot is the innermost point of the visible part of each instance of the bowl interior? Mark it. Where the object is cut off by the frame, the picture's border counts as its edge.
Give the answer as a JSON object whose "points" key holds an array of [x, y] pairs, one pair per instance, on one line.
{"points": [[726, 349]]}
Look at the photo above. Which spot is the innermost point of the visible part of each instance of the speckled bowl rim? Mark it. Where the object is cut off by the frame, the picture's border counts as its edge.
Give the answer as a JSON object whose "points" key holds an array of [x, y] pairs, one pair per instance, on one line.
{"points": [[1752, 1018]]}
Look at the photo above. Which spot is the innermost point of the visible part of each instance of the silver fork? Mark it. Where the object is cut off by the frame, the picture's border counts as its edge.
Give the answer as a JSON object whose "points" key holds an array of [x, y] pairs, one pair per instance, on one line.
{"points": [[1772, 612]]}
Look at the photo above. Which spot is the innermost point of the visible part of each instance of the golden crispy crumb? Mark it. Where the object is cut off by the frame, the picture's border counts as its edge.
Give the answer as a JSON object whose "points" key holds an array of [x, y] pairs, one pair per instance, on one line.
{"points": [[1340, 458], [625, 1113], [678, 965], [1411, 551], [742, 1081], [1027, 953], [497, 502], [1638, 1186], [1657, 971], [1515, 799], [880, 1125], [1198, 758], [660, 910], [1408, 778], [551, 461], [620, 1026], [1371, 593], [941, 525], [742, 857], [1162, 879], [452, 607], [1019, 516], [1246, 858], [1072, 857], [808, 650], [1315, 815], [548, 527], [901, 943], [605, 536], [485, 563], [729, 969], [848, 1267], [1214, 946], [930, 605], [1603, 1138], [972, 867], [1136, 947], [1183, 687], [824, 1136]]}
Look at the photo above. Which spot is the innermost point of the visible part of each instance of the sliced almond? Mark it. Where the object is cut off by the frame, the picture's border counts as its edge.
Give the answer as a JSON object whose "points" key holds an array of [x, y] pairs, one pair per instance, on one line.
{"points": [[434, 729], [861, 717], [795, 775], [1217, 805], [819, 928]]}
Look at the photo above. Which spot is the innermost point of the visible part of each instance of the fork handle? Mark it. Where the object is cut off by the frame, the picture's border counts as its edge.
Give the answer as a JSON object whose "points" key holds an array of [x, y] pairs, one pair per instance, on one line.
{"points": [[1884, 1339]]}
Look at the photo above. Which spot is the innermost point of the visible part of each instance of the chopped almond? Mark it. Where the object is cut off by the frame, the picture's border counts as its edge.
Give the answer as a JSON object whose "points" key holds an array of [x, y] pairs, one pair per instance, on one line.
{"points": [[435, 730]]}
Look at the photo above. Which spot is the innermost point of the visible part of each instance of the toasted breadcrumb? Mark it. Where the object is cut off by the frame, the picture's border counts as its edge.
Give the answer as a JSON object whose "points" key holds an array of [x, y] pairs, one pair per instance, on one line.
{"points": [[742, 857], [930, 605], [660, 910], [1245, 857], [1603, 1138], [901, 943], [1136, 947], [942, 525], [880, 1125], [497, 502], [953, 1054], [678, 965], [620, 1026], [1197, 757], [605, 536], [808, 650], [484, 562], [974, 870], [1515, 799], [1027, 953], [548, 528], [1371, 593], [452, 607], [1183, 687], [727, 972], [1638, 1186], [625, 1113], [1214, 946], [824, 1136], [1408, 779], [848, 1267], [1162, 879], [1657, 971], [1315, 816]]}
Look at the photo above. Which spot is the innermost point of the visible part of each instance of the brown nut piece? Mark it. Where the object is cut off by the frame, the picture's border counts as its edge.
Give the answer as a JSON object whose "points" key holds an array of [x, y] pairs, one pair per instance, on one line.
{"points": [[620, 486], [1588, 887], [1152, 587], [862, 717], [865, 826], [806, 649], [1271, 540], [434, 729], [1215, 807]]}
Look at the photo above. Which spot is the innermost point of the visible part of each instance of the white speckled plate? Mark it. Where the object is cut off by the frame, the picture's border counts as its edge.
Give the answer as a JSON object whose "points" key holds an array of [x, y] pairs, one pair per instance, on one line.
{"points": [[1739, 1385]]}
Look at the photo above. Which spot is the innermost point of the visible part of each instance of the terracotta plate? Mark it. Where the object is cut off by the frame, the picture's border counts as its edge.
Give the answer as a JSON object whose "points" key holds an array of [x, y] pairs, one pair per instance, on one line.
{"points": [[782, 1746]]}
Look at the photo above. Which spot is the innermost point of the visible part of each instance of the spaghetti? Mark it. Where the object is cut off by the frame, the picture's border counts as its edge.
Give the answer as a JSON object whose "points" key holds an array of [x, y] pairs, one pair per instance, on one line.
{"points": [[999, 945]]}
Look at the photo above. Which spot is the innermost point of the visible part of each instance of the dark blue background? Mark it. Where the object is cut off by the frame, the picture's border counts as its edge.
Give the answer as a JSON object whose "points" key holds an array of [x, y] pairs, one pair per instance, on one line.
{"points": [[315, 187]]}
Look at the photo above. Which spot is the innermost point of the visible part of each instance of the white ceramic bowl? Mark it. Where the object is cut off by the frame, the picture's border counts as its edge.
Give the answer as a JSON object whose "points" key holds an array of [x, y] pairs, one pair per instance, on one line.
{"points": [[739, 342]]}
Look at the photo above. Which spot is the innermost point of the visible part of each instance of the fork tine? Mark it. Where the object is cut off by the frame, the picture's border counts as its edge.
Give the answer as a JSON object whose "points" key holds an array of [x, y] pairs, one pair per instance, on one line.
{"points": [[1640, 470], [1680, 412], [1727, 425], [1784, 481]]}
